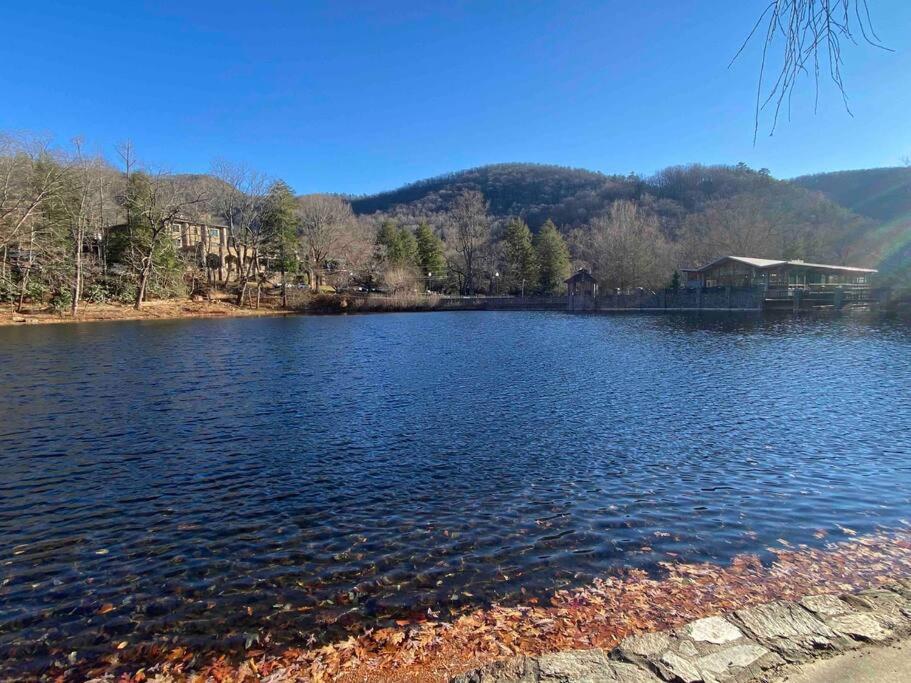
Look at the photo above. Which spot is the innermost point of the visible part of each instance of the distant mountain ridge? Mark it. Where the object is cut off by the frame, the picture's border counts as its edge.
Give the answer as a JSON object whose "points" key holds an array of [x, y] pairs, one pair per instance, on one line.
{"points": [[570, 197], [881, 194], [535, 191]]}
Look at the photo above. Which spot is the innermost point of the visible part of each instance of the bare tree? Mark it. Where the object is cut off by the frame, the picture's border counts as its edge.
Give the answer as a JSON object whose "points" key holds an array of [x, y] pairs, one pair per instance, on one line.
{"points": [[469, 227], [741, 226], [82, 206], [29, 176], [324, 226], [811, 34], [626, 248], [241, 202], [153, 203]]}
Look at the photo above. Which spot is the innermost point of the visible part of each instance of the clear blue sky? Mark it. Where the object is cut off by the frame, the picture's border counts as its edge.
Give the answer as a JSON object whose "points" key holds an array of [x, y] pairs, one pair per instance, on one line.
{"points": [[364, 96]]}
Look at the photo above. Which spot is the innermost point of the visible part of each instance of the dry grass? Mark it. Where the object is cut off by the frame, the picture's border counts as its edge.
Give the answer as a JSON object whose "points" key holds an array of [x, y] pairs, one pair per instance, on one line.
{"points": [[151, 310]]}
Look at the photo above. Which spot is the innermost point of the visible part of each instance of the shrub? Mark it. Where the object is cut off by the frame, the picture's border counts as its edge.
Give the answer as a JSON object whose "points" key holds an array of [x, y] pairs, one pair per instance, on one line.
{"points": [[125, 293], [97, 293], [35, 291], [62, 300], [7, 291]]}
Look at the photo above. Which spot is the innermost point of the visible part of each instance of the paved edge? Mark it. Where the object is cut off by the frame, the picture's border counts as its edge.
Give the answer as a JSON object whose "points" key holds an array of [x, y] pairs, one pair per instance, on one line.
{"points": [[753, 644]]}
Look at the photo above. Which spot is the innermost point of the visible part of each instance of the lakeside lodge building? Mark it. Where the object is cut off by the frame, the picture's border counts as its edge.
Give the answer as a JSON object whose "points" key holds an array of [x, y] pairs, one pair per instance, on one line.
{"points": [[738, 283], [743, 271]]}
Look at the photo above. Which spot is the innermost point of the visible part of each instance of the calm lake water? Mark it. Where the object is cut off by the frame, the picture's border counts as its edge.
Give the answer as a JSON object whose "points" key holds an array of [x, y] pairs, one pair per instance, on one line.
{"points": [[201, 481]]}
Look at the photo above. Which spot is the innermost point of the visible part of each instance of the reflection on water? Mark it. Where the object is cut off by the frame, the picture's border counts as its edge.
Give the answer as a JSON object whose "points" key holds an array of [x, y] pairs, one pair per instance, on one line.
{"points": [[201, 481]]}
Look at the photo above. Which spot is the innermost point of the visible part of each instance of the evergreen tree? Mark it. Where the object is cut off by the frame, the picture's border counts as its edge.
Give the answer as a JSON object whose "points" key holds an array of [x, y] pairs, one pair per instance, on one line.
{"points": [[406, 249], [429, 250], [280, 224], [521, 261], [400, 245], [386, 237], [553, 258]]}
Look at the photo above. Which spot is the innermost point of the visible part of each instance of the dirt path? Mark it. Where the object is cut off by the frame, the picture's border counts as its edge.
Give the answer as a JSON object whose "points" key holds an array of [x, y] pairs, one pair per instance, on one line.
{"points": [[870, 665]]}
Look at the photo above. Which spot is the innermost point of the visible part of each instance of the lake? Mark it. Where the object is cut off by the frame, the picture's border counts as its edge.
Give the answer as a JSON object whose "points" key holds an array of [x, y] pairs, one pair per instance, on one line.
{"points": [[201, 482]]}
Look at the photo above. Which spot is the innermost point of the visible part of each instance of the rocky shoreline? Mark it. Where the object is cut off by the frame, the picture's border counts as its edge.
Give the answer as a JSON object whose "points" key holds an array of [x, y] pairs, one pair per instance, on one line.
{"points": [[757, 643]]}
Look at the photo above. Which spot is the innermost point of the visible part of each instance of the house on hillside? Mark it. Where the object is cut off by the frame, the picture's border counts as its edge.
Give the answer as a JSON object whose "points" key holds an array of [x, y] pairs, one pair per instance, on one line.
{"points": [[743, 271], [203, 239]]}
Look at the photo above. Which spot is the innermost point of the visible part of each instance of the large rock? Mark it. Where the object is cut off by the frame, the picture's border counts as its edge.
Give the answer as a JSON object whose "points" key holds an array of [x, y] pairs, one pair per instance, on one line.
{"points": [[790, 630], [851, 621], [824, 606], [712, 630], [891, 610], [574, 666]]}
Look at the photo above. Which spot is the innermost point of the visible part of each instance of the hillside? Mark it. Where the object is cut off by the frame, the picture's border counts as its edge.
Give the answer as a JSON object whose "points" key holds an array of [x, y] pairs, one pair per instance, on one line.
{"points": [[882, 194], [534, 191], [571, 197], [685, 201]]}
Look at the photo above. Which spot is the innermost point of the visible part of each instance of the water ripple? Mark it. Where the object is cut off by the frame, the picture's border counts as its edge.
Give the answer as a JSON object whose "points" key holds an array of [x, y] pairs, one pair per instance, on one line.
{"points": [[199, 480]]}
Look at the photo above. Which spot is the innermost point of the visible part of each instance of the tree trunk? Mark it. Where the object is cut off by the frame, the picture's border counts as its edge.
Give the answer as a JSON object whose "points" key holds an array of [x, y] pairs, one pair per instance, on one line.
{"points": [[22, 290], [143, 283], [244, 273], [284, 288], [28, 269], [77, 279]]}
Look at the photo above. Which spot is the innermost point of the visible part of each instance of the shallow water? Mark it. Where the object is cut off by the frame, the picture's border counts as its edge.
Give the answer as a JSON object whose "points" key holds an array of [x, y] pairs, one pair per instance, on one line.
{"points": [[202, 481]]}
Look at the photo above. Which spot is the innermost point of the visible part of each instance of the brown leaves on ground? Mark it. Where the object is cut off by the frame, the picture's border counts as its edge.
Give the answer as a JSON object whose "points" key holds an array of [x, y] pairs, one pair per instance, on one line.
{"points": [[159, 309], [599, 615]]}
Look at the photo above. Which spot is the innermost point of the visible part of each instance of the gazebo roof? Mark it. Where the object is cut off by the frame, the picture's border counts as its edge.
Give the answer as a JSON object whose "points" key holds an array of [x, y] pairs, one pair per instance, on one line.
{"points": [[580, 275]]}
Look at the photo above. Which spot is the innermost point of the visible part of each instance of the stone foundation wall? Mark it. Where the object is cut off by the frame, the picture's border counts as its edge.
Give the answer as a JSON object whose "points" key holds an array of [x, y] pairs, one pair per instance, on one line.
{"points": [[751, 644], [722, 298]]}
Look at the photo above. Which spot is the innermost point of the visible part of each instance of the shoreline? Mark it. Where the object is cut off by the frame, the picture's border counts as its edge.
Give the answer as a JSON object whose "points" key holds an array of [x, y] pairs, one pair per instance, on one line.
{"points": [[632, 607], [770, 641], [164, 309], [185, 309]]}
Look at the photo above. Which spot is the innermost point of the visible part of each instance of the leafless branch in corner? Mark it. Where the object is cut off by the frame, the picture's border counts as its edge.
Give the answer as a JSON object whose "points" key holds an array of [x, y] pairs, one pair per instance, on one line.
{"points": [[811, 34]]}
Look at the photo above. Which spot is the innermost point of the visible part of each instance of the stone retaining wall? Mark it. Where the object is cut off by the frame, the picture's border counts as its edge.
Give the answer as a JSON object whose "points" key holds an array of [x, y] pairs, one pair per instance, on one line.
{"points": [[719, 299], [745, 645]]}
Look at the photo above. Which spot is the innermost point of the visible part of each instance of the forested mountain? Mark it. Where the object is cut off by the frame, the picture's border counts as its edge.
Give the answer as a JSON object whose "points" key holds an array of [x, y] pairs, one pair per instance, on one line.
{"points": [[882, 195], [534, 191], [701, 209]]}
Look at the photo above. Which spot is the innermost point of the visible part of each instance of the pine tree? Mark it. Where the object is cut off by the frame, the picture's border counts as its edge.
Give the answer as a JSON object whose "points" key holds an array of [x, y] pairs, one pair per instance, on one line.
{"points": [[521, 261], [553, 258], [400, 244], [280, 224], [406, 249], [430, 250], [386, 237]]}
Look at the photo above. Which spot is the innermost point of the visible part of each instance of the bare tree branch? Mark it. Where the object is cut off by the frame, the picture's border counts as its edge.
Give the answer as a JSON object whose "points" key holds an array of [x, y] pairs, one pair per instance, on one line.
{"points": [[810, 33]]}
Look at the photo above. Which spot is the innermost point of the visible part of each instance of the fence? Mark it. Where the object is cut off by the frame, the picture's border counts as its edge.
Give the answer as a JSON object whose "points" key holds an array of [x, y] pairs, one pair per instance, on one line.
{"points": [[724, 298]]}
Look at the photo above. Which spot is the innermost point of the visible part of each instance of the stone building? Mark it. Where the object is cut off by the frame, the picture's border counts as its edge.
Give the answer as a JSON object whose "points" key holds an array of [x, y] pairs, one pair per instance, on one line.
{"points": [[203, 239]]}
